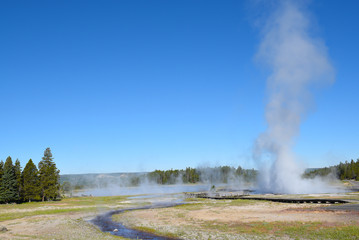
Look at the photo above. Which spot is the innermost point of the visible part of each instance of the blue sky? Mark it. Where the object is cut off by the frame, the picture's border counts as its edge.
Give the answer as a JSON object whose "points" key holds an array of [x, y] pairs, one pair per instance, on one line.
{"points": [[114, 86]]}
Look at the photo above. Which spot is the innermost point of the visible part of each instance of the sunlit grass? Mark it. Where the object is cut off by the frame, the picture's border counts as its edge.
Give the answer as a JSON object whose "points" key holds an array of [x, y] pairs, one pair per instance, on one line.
{"points": [[67, 205], [295, 230], [154, 231], [16, 215]]}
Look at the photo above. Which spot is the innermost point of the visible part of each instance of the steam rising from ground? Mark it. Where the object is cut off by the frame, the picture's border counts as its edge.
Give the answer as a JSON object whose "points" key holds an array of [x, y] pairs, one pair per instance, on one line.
{"points": [[298, 62], [203, 178]]}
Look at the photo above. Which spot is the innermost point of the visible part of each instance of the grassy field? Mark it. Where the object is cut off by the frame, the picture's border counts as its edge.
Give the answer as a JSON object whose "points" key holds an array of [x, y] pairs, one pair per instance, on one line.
{"points": [[67, 205], [293, 230]]}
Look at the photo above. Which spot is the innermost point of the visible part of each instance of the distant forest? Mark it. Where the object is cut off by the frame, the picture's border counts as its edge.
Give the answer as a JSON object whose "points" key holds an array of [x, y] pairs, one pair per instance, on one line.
{"points": [[31, 184], [343, 171], [212, 175], [222, 174], [215, 175]]}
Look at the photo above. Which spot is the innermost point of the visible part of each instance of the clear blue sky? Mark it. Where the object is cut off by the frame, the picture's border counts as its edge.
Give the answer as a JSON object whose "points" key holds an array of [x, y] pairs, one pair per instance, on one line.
{"points": [[113, 86]]}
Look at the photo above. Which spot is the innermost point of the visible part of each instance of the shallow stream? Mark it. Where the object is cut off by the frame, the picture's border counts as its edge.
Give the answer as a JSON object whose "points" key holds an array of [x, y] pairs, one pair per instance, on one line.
{"points": [[105, 223]]}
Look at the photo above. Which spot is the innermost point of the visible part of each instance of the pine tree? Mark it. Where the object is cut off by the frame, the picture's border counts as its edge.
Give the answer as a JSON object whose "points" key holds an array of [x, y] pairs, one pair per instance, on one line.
{"points": [[31, 184], [1, 174], [9, 190], [17, 169], [1, 169], [49, 177]]}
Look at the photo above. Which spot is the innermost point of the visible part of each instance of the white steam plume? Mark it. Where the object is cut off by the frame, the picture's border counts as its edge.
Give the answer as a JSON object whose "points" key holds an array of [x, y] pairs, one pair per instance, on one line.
{"points": [[298, 62]]}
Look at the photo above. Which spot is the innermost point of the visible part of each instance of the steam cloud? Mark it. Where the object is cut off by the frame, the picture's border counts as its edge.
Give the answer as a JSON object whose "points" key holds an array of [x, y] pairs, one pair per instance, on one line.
{"points": [[298, 63]]}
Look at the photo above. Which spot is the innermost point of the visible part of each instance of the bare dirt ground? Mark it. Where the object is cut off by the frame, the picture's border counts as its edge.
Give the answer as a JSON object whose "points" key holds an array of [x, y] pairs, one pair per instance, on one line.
{"points": [[58, 226], [67, 226], [66, 219], [270, 212]]}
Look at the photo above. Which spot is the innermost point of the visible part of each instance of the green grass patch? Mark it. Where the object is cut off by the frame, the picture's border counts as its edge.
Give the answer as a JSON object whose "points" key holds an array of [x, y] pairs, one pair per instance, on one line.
{"points": [[75, 201], [22, 236], [66, 205], [190, 206], [154, 231], [296, 230], [16, 215]]}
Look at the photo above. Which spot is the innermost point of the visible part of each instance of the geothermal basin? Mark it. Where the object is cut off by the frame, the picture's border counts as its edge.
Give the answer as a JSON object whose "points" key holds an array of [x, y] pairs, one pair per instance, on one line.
{"points": [[221, 204]]}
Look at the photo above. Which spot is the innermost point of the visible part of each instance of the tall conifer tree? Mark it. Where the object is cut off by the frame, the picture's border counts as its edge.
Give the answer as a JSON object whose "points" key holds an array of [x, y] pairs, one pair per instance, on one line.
{"points": [[1, 174], [1, 169], [31, 184], [17, 168], [9, 190], [49, 177]]}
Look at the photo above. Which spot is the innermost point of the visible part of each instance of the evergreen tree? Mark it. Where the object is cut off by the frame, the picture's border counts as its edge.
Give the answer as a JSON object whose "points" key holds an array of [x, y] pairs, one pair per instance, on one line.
{"points": [[1, 170], [49, 177], [1, 174], [9, 190], [31, 184], [17, 169]]}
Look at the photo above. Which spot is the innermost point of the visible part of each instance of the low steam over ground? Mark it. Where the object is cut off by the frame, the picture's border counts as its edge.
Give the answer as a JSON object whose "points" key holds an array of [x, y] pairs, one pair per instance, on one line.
{"points": [[159, 182], [144, 189]]}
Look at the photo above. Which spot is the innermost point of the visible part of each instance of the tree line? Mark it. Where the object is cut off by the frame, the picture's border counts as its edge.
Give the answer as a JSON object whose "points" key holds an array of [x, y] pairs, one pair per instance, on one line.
{"points": [[31, 184], [189, 175], [343, 171], [215, 175], [221, 174]]}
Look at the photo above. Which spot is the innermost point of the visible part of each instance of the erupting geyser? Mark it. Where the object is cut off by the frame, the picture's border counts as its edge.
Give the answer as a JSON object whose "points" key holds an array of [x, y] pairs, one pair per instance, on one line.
{"points": [[298, 61]]}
